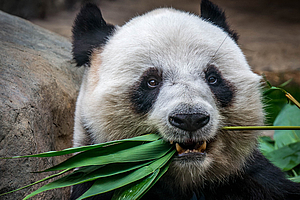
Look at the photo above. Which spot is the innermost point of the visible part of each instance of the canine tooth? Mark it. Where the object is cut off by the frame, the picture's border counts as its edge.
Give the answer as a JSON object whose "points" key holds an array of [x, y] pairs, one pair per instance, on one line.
{"points": [[171, 142], [179, 149], [202, 147]]}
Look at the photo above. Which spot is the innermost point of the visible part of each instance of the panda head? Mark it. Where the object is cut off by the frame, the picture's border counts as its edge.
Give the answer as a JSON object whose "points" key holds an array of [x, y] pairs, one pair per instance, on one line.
{"points": [[172, 73]]}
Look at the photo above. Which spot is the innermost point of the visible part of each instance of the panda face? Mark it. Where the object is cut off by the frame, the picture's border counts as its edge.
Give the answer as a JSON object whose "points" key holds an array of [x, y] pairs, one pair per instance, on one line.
{"points": [[178, 75]]}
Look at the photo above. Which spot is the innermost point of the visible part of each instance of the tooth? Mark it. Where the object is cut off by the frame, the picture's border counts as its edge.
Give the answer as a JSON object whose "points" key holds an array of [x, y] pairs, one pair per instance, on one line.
{"points": [[171, 142], [179, 149], [202, 147]]}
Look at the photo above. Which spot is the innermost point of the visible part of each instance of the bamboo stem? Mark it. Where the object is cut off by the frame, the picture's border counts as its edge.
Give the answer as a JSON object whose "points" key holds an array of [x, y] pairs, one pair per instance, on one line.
{"points": [[290, 97], [261, 128]]}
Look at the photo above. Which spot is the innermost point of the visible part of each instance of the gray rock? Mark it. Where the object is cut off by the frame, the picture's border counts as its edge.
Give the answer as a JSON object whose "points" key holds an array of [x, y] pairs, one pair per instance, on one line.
{"points": [[38, 89]]}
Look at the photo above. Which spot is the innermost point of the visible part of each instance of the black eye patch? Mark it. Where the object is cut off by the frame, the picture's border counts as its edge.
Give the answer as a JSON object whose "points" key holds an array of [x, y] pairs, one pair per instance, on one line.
{"points": [[221, 88], [145, 91]]}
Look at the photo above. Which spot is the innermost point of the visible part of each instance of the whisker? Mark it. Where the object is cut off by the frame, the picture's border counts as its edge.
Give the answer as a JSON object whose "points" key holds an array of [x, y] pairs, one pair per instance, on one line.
{"points": [[218, 49]]}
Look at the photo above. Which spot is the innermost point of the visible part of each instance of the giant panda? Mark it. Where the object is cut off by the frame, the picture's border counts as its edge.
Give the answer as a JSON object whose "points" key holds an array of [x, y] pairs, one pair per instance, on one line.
{"points": [[184, 77]]}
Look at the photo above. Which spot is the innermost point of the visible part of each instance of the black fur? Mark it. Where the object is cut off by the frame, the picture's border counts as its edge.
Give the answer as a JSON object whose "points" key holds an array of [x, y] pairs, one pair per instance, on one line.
{"points": [[142, 96], [215, 15], [89, 32], [221, 88], [261, 181]]}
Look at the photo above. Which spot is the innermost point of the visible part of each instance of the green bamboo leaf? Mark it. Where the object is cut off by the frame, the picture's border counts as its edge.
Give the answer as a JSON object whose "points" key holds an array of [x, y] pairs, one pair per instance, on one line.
{"points": [[162, 171], [286, 157], [91, 156], [89, 173], [273, 88], [285, 83], [143, 138], [136, 189], [295, 179], [123, 152], [270, 90], [266, 144], [288, 116], [108, 162], [110, 183]]}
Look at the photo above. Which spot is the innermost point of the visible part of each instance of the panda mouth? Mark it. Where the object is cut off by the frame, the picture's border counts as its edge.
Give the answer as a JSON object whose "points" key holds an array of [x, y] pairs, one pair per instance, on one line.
{"points": [[190, 147]]}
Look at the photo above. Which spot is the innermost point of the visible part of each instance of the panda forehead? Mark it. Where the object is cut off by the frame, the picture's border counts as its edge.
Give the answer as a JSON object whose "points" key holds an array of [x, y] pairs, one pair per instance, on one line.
{"points": [[168, 28], [171, 40]]}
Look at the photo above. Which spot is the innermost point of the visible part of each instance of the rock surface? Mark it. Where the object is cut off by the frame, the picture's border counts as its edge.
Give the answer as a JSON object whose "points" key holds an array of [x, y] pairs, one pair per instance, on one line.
{"points": [[38, 86]]}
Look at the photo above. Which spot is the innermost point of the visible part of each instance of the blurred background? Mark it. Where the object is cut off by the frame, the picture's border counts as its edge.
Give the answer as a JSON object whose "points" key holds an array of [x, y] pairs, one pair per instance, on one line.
{"points": [[269, 30]]}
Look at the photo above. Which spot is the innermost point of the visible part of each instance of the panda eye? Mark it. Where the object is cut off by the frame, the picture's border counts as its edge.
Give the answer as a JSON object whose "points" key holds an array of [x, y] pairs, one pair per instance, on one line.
{"points": [[212, 80], [152, 83]]}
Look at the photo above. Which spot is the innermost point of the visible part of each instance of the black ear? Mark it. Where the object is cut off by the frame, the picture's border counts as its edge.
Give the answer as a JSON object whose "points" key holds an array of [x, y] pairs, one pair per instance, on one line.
{"points": [[215, 15], [89, 31]]}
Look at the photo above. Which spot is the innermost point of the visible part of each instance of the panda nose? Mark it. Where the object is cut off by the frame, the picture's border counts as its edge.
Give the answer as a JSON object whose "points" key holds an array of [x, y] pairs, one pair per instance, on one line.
{"points": [[189, 122]]}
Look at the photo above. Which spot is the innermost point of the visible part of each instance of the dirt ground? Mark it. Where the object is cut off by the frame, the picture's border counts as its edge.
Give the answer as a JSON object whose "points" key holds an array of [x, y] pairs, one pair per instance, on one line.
{"points": [[269, 29]]}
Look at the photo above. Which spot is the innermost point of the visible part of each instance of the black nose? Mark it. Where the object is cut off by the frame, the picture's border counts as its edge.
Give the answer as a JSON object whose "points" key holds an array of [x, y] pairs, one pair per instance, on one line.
{"points": [[189, 122]]}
